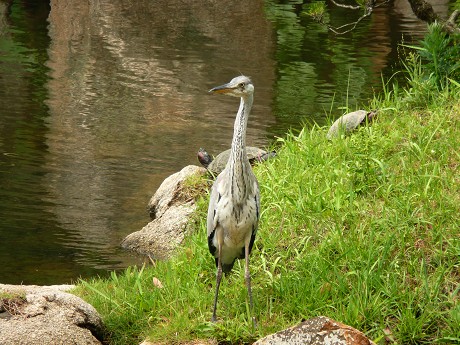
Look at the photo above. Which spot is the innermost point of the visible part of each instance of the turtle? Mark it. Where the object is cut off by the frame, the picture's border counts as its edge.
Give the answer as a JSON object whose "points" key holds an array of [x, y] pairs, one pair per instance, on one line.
{"points": [[348, 122], [217, 164]]}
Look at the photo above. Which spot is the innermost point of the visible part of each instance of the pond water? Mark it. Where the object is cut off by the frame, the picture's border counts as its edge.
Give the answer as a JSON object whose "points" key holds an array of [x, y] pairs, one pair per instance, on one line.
{"points": [[101, 100]]}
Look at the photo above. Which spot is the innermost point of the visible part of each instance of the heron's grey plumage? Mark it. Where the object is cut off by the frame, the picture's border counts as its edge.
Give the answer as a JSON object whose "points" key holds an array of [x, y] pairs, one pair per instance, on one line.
{"points": [[233, 213]]}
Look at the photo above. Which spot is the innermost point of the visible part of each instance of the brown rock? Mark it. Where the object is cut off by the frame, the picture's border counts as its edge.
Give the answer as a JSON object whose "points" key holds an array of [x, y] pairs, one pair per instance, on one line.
{"points": [[317, 331]]}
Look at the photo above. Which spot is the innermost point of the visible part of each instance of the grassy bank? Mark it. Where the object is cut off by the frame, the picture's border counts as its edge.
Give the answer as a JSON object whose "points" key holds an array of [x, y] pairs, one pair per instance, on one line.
{"points": [[364, 230]]}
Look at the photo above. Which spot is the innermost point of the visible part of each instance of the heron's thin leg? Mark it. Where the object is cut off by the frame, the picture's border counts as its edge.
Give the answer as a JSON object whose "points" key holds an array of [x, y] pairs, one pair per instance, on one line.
{"points": [[218, 279], [247, 276]]}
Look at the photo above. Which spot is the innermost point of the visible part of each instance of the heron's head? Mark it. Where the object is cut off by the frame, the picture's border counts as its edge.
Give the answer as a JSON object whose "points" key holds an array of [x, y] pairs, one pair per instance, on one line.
{"points": [[240, 86]]}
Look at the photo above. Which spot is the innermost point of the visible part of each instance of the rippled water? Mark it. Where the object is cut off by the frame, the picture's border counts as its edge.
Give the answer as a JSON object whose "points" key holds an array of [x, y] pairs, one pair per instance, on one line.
{"points": [[101, 100]]}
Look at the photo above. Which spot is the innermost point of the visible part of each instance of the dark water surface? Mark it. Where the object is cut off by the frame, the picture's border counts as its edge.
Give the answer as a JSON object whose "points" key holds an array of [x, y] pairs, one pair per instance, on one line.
{"points": [[101, 100]]}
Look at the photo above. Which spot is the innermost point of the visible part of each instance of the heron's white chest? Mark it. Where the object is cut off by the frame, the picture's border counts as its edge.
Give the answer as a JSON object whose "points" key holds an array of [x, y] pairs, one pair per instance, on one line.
{"points": [[237, 220]]}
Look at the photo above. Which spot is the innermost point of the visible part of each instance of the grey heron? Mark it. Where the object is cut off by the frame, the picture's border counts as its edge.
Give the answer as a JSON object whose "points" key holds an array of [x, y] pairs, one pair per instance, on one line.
{"points": [[233, 213]]}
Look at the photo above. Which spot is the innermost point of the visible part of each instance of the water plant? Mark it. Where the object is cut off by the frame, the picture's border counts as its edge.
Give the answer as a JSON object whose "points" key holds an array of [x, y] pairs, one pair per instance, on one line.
{"points": [[439, 53]]}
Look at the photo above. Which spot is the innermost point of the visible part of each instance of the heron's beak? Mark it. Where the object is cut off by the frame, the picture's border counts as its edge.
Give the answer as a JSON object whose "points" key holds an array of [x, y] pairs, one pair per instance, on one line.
{"points": [[221, 89]]}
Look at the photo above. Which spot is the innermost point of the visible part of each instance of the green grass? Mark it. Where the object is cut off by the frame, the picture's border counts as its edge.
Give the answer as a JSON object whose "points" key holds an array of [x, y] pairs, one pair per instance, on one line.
{"points": [[364, 229]]}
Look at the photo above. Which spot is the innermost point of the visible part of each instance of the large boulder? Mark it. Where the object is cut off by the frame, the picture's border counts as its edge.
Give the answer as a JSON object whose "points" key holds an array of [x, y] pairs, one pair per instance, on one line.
{"points": [[173, 191], [170, 208], [317, 331], [46, 315]]}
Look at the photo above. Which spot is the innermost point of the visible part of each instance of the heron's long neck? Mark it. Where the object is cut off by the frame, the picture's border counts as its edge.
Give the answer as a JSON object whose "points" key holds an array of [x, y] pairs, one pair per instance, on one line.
{"points": [[239, 132], [238, 166]]}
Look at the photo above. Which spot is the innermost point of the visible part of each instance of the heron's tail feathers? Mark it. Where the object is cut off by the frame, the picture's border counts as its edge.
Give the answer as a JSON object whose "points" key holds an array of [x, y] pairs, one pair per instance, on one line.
{"points": [[226, 268]]}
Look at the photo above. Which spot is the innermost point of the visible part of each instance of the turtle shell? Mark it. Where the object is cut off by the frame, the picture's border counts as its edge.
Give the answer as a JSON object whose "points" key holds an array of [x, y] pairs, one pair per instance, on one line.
{"points": [[220, 161], [348, 122]]}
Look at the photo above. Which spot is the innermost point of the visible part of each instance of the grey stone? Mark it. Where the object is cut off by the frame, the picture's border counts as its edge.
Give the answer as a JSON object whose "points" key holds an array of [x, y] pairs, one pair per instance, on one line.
{"points": [[171, 211], [161, 236], [169, 191], [320, 330], [42, 315]]}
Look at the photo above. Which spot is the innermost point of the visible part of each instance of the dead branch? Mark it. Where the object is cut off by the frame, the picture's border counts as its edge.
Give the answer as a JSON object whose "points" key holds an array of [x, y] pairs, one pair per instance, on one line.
{"points": [[450, 25], [421, 8], [424, 11], [453, 17], [353, 25], [346, 6], [370, 5]]}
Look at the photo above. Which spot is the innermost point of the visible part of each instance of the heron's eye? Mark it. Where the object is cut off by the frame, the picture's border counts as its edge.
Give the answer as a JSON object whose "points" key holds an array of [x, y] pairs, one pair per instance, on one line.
{"points": [[241, 85]]}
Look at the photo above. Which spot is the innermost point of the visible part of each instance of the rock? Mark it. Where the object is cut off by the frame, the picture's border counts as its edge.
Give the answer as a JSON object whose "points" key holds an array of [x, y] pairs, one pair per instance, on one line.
{"points": [[170, 208], [162, 235], [31, 315], [169, 192], [317, 331]]}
